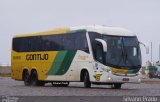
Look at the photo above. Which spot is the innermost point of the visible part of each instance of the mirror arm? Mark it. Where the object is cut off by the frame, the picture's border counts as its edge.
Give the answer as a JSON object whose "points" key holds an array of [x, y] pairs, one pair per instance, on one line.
{"points": [[145, 45], [103, 43]]}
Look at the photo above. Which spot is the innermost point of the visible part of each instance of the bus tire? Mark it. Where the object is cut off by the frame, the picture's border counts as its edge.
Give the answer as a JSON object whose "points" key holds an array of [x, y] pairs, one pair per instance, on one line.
{"points": [[117, 86], [34, 78], [87, 83], [26, 78]]}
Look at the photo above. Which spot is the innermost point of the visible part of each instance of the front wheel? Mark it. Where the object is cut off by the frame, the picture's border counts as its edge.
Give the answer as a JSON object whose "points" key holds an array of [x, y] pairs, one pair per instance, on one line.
{"points": [[87, 82]]}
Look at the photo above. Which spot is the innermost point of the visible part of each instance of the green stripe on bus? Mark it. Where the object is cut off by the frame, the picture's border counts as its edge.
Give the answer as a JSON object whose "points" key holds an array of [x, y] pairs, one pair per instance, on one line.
{"points": [[133, 71], [56, 65], [62, 62], [76, 31], [66, 62]]}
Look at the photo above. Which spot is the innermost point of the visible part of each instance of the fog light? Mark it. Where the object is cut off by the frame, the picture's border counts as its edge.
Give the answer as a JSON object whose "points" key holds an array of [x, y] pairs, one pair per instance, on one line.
{"points": [[110, 71], [109, 78], [139, 80]]}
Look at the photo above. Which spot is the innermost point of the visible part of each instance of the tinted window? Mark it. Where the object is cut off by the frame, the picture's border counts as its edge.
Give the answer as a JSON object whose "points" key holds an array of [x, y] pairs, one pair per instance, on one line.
{"points": [[73, 41], [93, 36], [33, 42], [52, 42], [20, 44], [69, 41]]}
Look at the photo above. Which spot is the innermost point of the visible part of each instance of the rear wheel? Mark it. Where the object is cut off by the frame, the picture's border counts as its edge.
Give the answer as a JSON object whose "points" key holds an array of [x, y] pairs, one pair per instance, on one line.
{"points": [[87, 82], [34, 79], [26, 78]]}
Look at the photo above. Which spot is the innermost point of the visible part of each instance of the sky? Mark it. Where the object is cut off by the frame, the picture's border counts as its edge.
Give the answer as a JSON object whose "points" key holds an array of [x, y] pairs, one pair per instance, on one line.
{"points": [[27, 16]]}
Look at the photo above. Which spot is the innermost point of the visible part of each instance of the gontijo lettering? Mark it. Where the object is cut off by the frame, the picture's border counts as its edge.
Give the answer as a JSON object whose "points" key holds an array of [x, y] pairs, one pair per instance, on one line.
{"points": [[37, 56]]}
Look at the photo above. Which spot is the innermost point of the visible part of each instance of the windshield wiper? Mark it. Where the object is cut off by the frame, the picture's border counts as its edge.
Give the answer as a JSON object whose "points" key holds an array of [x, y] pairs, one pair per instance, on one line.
{"points": [[125, 56], [122, 59]]}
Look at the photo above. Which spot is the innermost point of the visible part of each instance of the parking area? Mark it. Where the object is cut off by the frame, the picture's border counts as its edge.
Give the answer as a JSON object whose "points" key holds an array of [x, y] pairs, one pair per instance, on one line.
{"points": [[10, 87]]}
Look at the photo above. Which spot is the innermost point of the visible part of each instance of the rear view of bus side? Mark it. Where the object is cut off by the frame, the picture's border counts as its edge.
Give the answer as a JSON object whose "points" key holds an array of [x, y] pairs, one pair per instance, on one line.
{"points": [[89, 54]]}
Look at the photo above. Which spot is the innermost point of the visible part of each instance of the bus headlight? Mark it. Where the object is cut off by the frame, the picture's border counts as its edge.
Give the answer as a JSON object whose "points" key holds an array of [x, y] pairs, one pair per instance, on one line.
{"points": [[108, 70]]}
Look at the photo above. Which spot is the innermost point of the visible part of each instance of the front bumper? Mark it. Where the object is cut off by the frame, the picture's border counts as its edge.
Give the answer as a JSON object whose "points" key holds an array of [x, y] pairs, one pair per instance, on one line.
{"points": [[114, 78]]}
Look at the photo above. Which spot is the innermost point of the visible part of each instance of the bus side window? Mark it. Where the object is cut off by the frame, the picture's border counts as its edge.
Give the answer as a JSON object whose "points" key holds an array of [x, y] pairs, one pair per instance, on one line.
{"points": [[99, 53]]}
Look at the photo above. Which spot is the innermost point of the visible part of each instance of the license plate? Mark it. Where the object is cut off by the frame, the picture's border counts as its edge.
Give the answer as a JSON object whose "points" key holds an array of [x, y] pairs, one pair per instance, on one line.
{"points": [[125, 79]]}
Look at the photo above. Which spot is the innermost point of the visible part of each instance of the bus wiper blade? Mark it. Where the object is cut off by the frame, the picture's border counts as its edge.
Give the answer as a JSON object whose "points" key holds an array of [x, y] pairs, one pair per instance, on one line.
{"points": [[126, 57], [122, 57]]}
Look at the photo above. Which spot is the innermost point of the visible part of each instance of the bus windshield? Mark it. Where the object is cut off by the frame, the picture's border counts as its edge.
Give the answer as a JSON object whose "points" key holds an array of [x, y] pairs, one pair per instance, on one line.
{"points": [[122, 52]]}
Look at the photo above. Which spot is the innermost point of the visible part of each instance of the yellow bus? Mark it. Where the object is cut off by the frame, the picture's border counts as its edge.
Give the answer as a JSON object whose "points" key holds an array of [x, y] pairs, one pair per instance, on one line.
{"points": [[89, 54]]}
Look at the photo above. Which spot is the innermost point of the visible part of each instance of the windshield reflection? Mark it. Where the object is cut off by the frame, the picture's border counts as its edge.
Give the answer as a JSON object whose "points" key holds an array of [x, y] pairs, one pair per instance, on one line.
{"points": [[122, 52]]}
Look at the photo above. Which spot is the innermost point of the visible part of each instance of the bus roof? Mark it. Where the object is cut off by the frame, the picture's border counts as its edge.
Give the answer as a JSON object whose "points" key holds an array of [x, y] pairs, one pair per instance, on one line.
{"points": [[116, 31], [49, 32]]}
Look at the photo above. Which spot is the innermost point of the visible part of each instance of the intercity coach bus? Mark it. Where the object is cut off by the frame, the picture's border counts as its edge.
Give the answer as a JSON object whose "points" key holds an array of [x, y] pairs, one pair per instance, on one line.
{"points": [[88, 54]]}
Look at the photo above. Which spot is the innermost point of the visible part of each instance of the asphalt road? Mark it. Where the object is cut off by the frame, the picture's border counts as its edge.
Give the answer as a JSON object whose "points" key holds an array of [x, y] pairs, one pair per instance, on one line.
{"points": [[11, 87]]}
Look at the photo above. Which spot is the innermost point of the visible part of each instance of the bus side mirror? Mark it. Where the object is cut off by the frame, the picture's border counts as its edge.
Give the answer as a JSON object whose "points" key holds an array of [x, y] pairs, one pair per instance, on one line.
{"points": [[104, 44], [146, 47]]}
